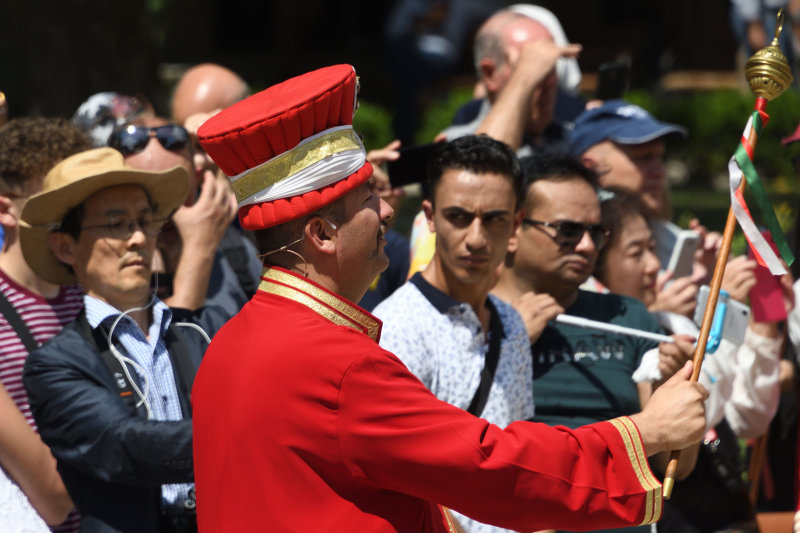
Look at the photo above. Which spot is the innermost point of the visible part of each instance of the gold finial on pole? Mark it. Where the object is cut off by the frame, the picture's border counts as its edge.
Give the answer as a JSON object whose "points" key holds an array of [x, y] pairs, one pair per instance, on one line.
{"points": [[767, 71]]}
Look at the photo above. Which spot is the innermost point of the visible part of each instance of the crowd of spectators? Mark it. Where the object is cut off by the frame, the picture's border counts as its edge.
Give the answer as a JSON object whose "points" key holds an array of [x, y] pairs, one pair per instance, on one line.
{"points": [[122, 256]]}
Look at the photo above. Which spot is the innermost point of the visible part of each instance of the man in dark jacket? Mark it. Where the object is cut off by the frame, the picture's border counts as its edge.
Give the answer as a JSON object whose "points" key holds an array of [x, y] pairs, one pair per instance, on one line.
{"points": [[110, 393]]}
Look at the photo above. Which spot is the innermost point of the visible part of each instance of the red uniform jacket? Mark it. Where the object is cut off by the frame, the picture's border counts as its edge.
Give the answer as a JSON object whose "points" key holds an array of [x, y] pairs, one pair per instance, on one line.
{"points": [[303, 423]]}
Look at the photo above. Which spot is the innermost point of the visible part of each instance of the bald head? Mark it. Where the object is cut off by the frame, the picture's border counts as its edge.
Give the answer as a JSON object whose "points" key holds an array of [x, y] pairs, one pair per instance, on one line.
{"points": [[205, 88], [502, 30]]}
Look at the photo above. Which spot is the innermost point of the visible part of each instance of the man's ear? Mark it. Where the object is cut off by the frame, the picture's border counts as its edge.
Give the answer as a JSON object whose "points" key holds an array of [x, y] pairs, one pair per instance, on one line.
{"points": [[8, 218], [63, 247], [513, 242], [319, 234], [592, 158], [488, 69], [427, 208]]}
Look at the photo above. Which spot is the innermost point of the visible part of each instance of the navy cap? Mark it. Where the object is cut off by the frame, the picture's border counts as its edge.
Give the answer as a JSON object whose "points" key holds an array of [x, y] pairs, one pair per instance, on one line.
{"points": [[618, 121]]}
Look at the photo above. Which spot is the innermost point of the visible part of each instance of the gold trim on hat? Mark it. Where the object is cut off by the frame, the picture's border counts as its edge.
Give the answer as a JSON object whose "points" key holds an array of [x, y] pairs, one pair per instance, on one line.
{"points": [[334, 308], [293, 161]]}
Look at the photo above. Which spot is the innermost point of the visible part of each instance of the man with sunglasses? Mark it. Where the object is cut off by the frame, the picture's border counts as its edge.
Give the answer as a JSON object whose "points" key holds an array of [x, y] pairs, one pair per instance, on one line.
{"points": [[581, 376], [205, 260], [110, 393]]}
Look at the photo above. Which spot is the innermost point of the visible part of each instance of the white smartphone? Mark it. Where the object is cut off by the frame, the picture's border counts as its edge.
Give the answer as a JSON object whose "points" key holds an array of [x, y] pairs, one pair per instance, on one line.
{"points": [[681, 261], [737, 317]]}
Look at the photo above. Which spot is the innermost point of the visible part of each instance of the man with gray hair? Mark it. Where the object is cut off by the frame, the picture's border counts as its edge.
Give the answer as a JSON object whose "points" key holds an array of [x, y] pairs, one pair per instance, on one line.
{"points": [[515, 58]]}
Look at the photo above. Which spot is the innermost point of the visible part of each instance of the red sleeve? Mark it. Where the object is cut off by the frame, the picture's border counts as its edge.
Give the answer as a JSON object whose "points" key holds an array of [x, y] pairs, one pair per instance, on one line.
{"points": [[394, 433]]}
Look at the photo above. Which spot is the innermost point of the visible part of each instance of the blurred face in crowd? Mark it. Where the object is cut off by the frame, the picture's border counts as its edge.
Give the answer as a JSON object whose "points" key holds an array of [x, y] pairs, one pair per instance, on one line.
{"points": [[514, 36], [631, 264], [109, 266], [638, 168], [552, 263], [473, 217]]}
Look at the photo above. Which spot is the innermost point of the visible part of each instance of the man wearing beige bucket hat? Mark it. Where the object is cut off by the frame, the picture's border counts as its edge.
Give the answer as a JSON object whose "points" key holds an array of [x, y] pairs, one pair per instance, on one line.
{"points": [[110, 393]]}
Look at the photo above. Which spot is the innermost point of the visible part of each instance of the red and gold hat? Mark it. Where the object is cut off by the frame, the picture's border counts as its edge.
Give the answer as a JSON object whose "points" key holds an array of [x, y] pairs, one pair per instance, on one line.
{"points": [[291, 148]]}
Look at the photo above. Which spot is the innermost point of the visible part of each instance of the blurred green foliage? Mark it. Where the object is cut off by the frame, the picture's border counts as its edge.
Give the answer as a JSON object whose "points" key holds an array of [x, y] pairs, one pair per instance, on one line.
{"points": [[715, 120]]}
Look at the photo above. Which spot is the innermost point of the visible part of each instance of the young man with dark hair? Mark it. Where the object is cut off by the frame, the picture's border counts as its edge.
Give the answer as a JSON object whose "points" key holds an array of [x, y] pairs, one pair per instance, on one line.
{"points": [[442, 323]]}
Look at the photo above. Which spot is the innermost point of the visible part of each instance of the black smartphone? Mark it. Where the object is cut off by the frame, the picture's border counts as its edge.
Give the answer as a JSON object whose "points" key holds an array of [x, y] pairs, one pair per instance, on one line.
{"points": [[612, 80], [412, 165]]}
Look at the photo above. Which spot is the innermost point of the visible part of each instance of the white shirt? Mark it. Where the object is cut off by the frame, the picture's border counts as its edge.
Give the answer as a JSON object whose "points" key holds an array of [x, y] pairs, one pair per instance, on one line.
{"points": [[441, 341]]}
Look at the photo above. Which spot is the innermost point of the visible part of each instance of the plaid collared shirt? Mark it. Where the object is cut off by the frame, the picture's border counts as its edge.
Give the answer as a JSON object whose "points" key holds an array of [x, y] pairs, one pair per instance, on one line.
{"points": [[150, 352]]}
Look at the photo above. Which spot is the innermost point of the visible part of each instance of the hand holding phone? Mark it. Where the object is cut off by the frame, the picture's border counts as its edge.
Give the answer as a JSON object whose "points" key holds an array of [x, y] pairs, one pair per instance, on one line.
{"points": [[737, 317]]}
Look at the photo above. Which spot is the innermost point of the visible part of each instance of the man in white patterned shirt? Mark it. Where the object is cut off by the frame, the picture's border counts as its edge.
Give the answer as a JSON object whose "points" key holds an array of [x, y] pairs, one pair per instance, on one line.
{"points": [[110, 393], [469, 348]]}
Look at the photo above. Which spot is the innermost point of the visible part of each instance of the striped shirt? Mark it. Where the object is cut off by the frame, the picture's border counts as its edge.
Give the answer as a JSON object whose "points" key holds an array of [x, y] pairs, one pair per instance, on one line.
{"points": [[44, 319]]}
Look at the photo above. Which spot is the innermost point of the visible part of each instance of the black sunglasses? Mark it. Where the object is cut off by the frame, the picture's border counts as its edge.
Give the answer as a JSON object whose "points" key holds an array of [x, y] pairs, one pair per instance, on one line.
{"points": [[570, 233], [132, 139]]}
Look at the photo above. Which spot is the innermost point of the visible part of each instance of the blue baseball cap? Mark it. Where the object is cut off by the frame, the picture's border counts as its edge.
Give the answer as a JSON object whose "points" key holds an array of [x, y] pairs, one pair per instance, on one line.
{"points": [[618, 121]]}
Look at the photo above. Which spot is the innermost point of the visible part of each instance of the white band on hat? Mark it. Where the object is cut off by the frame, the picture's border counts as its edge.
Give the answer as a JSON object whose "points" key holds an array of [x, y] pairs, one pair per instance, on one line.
{"points": [[318, 161]]}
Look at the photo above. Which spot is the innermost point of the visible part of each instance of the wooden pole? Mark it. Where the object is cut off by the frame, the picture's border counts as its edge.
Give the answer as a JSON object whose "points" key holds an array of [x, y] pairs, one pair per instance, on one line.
{"points": [[711, 307]]}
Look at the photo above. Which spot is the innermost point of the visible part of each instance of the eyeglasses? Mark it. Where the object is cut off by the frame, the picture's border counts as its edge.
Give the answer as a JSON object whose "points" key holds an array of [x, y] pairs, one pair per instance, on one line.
{"points": [[133, 139], [122, 230], [570, 233]]}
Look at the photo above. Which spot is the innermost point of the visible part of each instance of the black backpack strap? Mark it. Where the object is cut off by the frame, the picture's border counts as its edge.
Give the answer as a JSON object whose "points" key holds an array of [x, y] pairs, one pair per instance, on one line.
{"points": [[183, 368], [238, 256], [98, 339], [496, 335], [17, 324]]}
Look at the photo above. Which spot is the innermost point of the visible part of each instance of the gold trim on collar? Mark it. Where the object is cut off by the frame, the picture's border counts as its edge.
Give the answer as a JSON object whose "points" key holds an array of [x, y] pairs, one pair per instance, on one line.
{"points": [[334, 308], [638, 458], [451, 527], [293, 161]]}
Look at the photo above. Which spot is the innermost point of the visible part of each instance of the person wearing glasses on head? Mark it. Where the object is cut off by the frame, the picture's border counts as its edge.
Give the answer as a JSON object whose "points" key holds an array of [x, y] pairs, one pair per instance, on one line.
{"points": [[110, 393], [580, 376], [204, 260]]}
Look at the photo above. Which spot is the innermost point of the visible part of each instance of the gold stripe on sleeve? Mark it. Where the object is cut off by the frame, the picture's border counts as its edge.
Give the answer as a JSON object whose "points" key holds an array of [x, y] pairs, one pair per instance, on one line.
{"points": [[638, 458]]}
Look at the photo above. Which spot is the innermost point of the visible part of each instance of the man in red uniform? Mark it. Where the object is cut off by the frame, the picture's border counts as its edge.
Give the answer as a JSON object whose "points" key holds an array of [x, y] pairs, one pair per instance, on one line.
{"points": [[302, 422]]}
